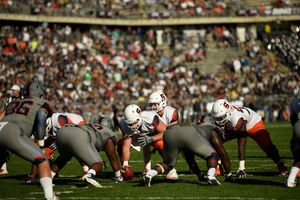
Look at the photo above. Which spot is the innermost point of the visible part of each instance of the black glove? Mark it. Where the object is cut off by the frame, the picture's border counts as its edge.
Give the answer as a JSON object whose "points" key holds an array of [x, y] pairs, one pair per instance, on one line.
{"points": [[229, 178], [53, 146], [145, 140], [242, 173]]}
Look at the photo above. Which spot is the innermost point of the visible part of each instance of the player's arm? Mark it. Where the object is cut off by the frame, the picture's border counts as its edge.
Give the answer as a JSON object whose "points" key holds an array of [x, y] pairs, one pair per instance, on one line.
{"points": [[175, 118], [2, 114], [241, 140], [218, 146], [110, 151], [126, 149], [44, 112], [160, 129]]}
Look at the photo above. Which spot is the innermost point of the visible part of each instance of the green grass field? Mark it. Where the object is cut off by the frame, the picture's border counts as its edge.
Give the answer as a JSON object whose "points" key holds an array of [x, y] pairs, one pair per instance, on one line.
{"points": [[261, 184]]}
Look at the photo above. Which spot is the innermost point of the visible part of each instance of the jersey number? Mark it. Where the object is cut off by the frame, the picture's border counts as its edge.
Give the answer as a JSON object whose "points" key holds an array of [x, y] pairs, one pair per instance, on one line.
{"points": [[96, 127], [239, 109], [20, 107]]}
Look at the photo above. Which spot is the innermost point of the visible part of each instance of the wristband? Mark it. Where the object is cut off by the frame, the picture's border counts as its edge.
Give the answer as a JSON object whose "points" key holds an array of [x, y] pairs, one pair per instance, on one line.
{"points": [[41, 143], [241, 164], [125, 163]]}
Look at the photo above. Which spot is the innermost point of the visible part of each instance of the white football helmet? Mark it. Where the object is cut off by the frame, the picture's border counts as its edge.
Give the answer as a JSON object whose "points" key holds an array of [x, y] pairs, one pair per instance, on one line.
{"points": [[132, 116], [159, 98], [49, 126], [221, 111]]}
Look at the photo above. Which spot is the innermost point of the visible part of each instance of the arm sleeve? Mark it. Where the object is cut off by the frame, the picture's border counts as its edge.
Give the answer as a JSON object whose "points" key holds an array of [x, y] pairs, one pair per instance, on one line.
{"points": [[41, 124]]}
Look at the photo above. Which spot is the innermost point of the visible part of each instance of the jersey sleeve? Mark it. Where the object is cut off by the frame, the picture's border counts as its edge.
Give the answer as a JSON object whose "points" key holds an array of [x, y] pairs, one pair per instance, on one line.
{"points": [[175, 116], [47, 105], [155, 121]]}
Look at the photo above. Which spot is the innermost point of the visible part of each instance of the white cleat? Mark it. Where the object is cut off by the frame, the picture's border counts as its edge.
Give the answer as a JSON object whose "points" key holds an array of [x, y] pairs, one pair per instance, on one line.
{"points": [[90, 178], [288, 184], [3, 171], [172, 174]]}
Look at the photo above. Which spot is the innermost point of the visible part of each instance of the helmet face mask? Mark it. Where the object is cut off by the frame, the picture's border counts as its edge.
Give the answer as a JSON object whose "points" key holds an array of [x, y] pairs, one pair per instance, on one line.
{"points": [[49, 127], [106, 122], [132, 117], [157, 101], [35, 89], [221, 112]]}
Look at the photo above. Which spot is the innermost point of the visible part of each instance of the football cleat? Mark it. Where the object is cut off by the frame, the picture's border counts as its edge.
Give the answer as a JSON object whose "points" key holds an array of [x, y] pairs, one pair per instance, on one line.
{"points": [[283, 171], [230, 179], [53, 198], [90, 178], [202, 177], [3, 171], [212, 181], [172, 174], [288, 184], [146, 179], [84, 173], [31, 178], [298, 174]]}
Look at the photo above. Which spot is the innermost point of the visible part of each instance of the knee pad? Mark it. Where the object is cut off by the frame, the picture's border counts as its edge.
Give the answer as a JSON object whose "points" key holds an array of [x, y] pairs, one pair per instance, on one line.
{"points": [[214, 156]]}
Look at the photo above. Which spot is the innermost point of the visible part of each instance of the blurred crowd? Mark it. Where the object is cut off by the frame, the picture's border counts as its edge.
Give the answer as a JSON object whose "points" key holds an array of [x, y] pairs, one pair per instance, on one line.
{"points": [[133, 9], [100, 71]]}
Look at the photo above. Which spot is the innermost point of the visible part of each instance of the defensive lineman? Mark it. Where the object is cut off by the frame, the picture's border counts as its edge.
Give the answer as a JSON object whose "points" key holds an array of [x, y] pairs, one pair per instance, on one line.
{"points": [[85, 142], [22, 118]]}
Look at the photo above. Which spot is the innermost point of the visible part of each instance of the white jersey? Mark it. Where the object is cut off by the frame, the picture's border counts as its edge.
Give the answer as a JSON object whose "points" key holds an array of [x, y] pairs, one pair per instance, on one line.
{"points": [[170, 115], [150, 121], [295, 106], [72, 118], [246, 114]]}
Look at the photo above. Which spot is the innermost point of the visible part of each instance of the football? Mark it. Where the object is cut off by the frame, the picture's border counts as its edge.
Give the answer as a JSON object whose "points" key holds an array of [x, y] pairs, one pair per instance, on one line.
{"points": [[128, 174]]}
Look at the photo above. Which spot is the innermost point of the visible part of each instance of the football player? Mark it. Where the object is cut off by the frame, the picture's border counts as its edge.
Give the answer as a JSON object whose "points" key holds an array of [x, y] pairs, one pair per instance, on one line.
{"points": [[22, 118], [139, 128], [169, 115], [54, 123], [241, 122], [295, 107], [187, 137], [15, 95], [85, 141]]}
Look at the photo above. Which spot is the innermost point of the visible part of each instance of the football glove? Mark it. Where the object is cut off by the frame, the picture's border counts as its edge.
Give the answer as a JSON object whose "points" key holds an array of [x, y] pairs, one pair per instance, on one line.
{"points": [[242, 173], [105, 165], [145, 140], [119, 179], [229, 178], [53, 146]]}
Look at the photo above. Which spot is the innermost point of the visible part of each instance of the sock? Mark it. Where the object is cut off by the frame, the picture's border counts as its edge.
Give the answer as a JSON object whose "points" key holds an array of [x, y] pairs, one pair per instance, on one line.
{"points": [[85, 168], [211, 171], [293, 173], [279, 162], [3, 166], [53, 174], [91, 171], [46, 183], [147, 165], [153, 172]]}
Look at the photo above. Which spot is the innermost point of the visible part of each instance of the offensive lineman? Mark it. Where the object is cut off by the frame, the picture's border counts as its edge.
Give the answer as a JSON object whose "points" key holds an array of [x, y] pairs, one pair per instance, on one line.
{"points": [[241, 122], [139, 128], [23, 117], [85, 142]]}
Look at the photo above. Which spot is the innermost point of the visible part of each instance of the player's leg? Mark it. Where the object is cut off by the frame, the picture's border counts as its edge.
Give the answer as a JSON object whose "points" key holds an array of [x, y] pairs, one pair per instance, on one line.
{"points": [[296, 165], [262, 137]]}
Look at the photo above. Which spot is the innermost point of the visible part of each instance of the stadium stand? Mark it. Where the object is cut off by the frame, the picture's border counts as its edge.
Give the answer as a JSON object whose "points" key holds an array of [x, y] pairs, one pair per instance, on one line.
{"points": [[212, 60]]}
